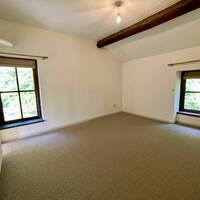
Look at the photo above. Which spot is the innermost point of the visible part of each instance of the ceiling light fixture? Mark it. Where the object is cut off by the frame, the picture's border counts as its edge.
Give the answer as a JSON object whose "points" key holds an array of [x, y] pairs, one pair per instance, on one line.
{"points": [[118, 4]]}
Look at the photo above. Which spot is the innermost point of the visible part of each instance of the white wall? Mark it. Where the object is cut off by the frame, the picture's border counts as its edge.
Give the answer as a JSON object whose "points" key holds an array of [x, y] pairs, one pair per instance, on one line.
{"points": [[78, 81], [150, 87]]}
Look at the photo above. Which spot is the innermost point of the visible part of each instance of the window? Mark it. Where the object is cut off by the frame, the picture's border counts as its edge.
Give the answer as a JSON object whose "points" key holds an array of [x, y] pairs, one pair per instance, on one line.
{"points": [[19, 91], [190, 92]]}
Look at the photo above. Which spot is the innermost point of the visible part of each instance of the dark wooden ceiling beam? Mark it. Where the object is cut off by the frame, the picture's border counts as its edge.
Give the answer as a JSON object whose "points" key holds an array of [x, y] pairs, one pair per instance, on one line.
{"points": [[176, 10]]}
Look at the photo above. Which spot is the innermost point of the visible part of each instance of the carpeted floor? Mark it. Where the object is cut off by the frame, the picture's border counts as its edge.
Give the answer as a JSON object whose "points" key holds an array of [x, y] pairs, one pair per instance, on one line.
{"points": [[118, 157]]}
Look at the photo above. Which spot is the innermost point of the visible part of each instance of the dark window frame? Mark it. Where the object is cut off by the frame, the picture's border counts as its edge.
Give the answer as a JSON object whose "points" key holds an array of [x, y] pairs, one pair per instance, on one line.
{"points": [[37, 94], [183, 92]]}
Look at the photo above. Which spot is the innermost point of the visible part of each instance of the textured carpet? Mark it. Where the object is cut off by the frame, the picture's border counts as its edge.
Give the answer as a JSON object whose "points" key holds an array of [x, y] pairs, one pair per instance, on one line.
{"points": [[118, 157]]}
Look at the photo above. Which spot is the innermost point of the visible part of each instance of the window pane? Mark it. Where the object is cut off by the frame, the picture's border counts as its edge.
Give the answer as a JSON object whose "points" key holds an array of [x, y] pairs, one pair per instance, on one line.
{"points": [[11, 106], [8, 79], [29, 106], [193, 85], [192, 101], [25, 76]]}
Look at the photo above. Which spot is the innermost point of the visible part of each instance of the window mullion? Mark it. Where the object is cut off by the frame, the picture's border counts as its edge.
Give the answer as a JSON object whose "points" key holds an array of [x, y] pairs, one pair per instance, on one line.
{"points": [[2, 120], [37, 93], [182, 96], [19, 92]]}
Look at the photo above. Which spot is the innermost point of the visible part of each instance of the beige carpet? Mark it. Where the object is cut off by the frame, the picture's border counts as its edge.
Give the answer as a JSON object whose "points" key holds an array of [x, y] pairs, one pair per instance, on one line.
{"points": [[119, 157]]}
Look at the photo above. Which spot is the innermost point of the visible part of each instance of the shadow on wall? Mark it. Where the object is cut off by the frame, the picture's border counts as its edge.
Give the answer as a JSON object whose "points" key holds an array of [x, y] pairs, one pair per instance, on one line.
{"points": [[177, 92]]}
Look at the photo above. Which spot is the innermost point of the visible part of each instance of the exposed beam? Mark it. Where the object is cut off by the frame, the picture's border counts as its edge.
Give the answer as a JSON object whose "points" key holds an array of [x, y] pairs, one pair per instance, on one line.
{"points": [[176, 10]]}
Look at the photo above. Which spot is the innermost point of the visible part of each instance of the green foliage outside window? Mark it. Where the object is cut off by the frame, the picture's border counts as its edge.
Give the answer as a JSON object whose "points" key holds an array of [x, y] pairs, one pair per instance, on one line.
{"points": [[192, 94], [11, 96]]}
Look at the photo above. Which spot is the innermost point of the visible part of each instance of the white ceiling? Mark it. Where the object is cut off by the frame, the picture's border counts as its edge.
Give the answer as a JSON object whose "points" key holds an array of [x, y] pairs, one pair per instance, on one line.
{"points": [[180, 33], [93, 19]]}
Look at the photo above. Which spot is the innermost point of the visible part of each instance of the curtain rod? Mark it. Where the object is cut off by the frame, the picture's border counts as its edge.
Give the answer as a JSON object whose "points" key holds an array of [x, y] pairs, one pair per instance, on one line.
{"points": [[179, 63], [24, 55]]}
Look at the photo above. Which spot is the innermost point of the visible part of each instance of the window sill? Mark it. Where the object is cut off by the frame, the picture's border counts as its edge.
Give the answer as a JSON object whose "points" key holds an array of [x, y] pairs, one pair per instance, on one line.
{"points": [[17, 124], [189, 114]]}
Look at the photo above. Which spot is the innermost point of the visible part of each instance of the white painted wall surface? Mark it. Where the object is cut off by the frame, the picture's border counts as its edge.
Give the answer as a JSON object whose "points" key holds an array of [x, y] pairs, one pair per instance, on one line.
{"points": [[189, 120], [150, 86], [77, 82]]}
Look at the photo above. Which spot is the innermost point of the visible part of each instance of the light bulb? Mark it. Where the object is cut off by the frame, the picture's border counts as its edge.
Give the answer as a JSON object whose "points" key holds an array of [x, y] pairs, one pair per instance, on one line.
{"points": [[118, 19]]}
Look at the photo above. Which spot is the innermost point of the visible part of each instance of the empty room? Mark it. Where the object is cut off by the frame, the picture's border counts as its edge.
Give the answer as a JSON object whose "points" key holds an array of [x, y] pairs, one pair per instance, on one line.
{"points": [[100, 100]]}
